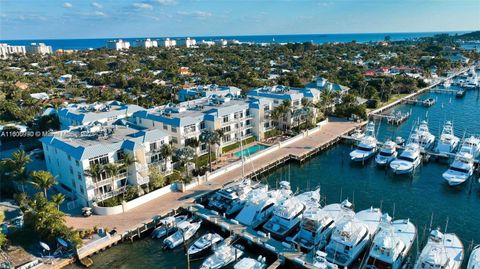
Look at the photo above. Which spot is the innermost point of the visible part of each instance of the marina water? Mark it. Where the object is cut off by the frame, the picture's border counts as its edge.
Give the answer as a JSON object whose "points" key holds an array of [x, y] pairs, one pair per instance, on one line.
{"points": [[425, 198]]}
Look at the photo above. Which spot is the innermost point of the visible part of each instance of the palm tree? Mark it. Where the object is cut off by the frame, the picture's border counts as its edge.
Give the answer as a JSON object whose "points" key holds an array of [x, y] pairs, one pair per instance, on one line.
{"points": [[112, 170], [43, 180], [16, 167], [219, 136], [94, 171], [184, 155], [58, 199], [166, 151], [194, 143], [127, 161], [209, 138]]}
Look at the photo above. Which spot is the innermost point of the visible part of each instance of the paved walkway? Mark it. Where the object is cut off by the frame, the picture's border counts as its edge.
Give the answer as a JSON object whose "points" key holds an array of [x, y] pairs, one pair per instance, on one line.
{"points": [[162, 205]]}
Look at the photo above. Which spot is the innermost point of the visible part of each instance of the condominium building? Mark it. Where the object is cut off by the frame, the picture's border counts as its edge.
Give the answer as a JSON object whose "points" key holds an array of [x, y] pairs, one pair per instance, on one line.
{"points": [[39, 48], [118, 44], [207, 91], [8, 50], [167, 43], [82, 114], [70, 156], [300, 104], [189, 119], [187, 42], [146, 43], [324, 85]]}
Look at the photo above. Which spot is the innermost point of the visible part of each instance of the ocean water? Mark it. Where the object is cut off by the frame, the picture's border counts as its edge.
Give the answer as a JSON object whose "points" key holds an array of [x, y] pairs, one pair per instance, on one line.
{"points": [[425, 198], [315, 38]]}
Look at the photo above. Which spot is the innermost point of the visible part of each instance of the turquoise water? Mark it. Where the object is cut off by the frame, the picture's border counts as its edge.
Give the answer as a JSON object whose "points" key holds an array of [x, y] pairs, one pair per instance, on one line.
{"points": [[250, 150], [419, 198]]}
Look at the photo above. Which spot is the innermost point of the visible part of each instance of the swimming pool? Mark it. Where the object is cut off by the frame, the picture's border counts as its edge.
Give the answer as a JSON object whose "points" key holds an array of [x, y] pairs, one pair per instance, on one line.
{"points": [[250, 150]]}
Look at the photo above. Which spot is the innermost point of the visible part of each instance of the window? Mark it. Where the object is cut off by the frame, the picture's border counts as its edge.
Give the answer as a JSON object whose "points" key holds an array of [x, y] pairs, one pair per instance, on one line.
{"points": [[69, 158], [99, 160], [120, 155], [79, 176], [202, 125], [174, 140], [165, 127], [153, 146], [174, 129], [248, 113], [71, 170], [77, 162], [225, 118]]}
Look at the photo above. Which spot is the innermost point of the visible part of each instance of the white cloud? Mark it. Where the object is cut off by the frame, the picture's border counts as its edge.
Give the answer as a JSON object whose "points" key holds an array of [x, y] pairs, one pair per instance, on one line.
{"points": [[99, 13], [96, 5], [143, 6], [167, 2], [67, 5], [198, 14]]}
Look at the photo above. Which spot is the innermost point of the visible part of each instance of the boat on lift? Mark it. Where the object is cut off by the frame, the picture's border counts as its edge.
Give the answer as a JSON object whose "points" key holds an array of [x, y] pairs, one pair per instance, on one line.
{"points": [[367, 147], [448, 141], [392, 244], [441, 251], [388, 152]]}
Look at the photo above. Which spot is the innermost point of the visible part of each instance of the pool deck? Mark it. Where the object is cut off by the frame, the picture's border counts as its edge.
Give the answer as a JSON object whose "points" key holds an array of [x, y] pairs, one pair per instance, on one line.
{"points": [[140, 215]]}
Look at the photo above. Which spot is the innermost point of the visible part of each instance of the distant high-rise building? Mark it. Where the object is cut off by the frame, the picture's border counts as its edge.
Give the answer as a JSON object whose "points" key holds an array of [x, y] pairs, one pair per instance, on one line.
{"points": [[7, 50], [146, 43], [39, 48], [187, 42], [118, 44], [168, 43]]}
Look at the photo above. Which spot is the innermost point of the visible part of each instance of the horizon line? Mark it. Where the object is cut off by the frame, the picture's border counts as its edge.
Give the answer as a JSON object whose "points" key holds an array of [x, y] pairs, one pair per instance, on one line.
{"points": [[252, 35]]}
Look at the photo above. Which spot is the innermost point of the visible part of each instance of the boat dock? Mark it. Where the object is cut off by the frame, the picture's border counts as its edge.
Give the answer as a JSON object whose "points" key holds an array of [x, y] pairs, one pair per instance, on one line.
{"points": [[284, 251], [395, 118], [427, 102]]}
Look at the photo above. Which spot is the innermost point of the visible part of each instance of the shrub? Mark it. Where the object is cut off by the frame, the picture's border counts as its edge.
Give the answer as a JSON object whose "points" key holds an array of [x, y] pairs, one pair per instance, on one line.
{"points": [[271, 133]]}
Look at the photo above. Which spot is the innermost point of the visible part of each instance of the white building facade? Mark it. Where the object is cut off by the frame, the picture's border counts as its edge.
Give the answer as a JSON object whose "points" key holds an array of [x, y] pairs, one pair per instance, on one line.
{"points": [[9, 50], [39, 48], [118, 44]]}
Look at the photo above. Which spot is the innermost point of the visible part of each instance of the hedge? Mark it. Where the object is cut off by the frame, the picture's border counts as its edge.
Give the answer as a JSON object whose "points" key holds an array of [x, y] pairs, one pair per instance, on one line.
{"points": [[271, 133], [236, 145]]}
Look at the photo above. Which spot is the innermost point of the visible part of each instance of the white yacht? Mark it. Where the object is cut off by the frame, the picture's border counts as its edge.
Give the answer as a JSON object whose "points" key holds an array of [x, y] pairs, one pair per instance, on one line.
{"points": [[408, 160], [223, 256], [447, 83], [167, 226], [204, 244], [441, 251], [460, 170], [471, 144], [448, 141], [338, 212], [392, 244], [286, 217], [315, 226], [185, 231], [423, 137], [250, 263], [367, 147], [352, 236], [387, 153], [320, 261], [474, 261], [231, 198], [259, 205]]}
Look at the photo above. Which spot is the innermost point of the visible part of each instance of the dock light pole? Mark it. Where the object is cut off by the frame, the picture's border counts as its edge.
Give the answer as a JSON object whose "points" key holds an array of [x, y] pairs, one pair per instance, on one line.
{"points": [[185, 248]]}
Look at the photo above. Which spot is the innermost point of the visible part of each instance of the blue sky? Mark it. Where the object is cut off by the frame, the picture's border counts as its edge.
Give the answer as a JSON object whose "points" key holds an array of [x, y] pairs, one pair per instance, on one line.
{"points": [[45, 19]]}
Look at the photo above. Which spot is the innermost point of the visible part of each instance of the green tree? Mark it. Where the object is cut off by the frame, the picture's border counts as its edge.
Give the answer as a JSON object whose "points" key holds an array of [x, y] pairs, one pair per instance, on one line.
{"points": [[210, 138], [15, 167], [127, 161], [3, 238], [194, 143], [43, 180], [166, 151], [58, 199]]}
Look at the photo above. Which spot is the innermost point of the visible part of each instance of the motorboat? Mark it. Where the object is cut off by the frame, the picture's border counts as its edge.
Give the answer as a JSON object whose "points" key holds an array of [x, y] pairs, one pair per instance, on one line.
{"points": [[315, 225], [474, 260], [204, 244], [185, 231], [222, 256], [367, 147], [447, 83], [250, 263], [320, 261], [392, 244], [311, 199], [471, 144], [441, 251], [460, 170], [259, 205], [423, 137], [231, 199], [408, 160], [387, 153], [448, 141], [357, 134], [286, 217], [167, 226], [352, 236], [399, 140], [338, 212]]}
